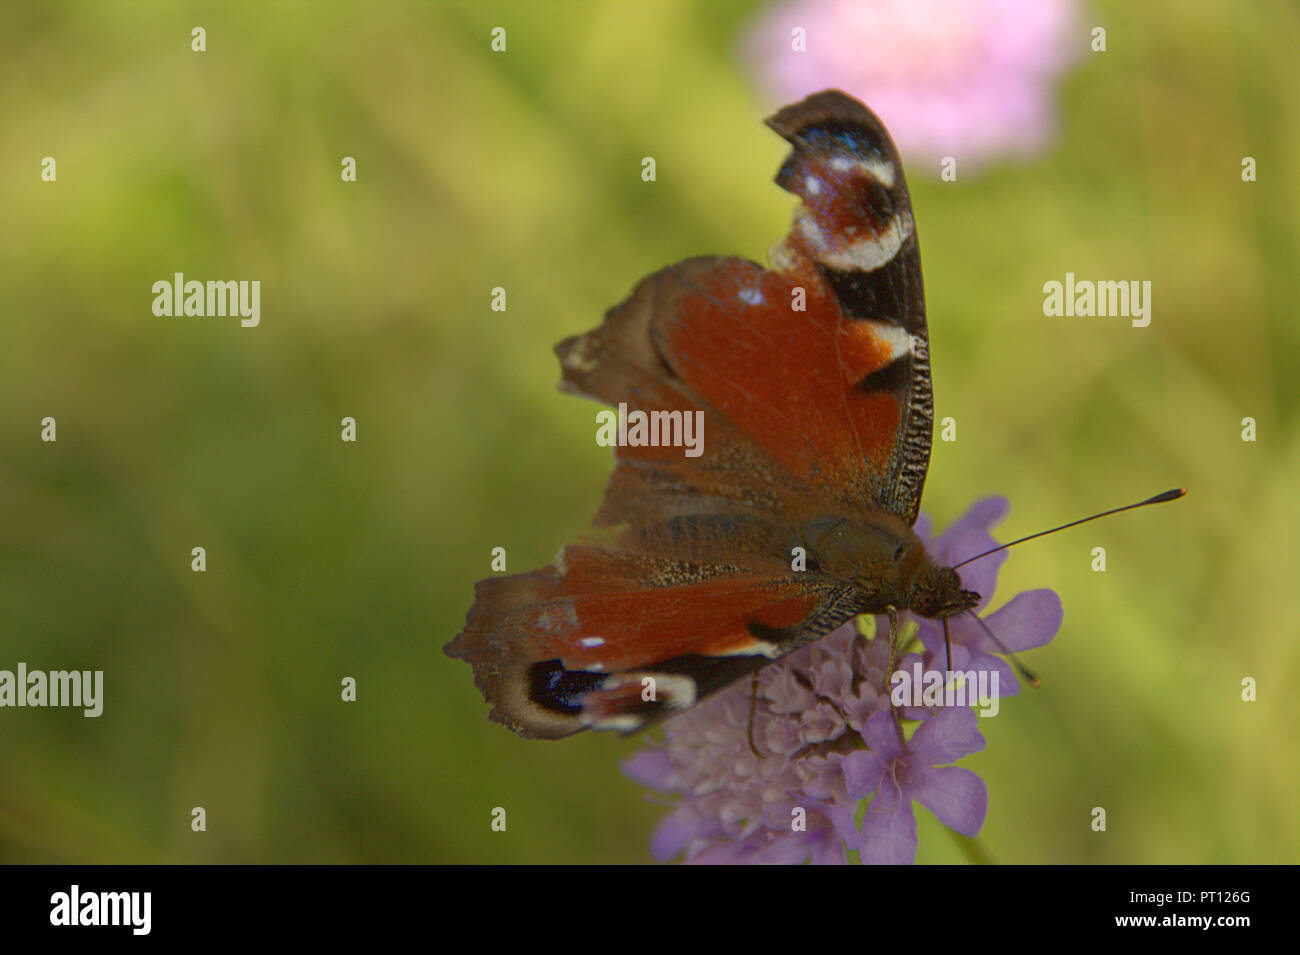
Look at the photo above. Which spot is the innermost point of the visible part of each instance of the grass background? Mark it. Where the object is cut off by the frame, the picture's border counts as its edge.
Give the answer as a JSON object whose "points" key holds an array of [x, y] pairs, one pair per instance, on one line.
{"points": [[522, 170]]}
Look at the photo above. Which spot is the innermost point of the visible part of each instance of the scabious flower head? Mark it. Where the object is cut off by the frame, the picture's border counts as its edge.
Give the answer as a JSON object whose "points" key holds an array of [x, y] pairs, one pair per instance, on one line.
{"points": [[970, 79], [775, 772]]}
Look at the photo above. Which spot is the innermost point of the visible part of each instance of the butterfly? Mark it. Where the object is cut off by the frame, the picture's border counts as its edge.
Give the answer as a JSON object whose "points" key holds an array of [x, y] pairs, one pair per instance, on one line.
{"points": [[812, 381]]}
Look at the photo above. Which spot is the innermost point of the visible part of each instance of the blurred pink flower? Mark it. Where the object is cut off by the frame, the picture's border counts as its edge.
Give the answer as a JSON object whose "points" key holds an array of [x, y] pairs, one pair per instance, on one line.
{"points": [[971, 79]]}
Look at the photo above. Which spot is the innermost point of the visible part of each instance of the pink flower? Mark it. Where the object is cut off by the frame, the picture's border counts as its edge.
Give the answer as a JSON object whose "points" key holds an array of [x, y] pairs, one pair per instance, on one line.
{"points": [[971, 79]]}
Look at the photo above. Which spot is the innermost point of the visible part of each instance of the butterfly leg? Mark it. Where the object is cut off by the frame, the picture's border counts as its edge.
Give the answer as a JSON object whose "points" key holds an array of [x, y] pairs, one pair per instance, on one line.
{"points": [[893, 637], [895, 711], [753, 705]]}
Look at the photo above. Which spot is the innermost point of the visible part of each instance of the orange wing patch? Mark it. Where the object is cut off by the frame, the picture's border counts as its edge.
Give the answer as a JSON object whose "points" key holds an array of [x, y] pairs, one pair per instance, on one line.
{"points": [[610, 632], [786, 377]]}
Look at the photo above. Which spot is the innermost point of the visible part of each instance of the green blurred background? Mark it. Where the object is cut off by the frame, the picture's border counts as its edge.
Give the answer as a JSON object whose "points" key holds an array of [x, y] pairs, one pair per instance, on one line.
{"points": [[522, 170]]}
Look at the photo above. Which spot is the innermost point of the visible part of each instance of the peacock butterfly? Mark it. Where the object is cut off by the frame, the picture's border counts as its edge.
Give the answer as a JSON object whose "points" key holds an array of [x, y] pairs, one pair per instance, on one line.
{"points": [[795, 513]]}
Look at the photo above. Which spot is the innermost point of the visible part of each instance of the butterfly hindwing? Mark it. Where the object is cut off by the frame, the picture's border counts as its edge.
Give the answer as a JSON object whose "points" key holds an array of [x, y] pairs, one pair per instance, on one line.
{"points": [[812, 382], [573, 644]]}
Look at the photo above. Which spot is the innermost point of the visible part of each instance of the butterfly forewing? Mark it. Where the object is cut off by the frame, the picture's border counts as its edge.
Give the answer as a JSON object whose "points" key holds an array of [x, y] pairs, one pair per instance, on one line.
{"points": [[856, 224]]}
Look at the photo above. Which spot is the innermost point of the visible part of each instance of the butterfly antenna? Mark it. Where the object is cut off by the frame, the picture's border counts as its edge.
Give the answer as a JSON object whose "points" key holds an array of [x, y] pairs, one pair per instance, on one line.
{"points": [[947, 643], [1173, 495], [1029, 675]]}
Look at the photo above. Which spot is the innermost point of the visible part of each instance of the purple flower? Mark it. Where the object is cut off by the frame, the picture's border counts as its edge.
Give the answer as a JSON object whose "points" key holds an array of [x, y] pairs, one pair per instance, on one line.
{"points": [[827, 737], [970, 79], [895, 775], [784, 803], [1028, 621]]}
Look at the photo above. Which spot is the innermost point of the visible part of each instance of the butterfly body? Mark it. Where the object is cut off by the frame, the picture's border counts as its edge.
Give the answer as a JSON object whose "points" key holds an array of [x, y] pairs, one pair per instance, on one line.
{"points": [[888, 564], [812, 380]]}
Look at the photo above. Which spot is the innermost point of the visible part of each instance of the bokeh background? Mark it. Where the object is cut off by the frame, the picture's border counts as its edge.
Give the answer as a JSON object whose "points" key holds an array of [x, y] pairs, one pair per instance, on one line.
{"points": [[522, 169]]}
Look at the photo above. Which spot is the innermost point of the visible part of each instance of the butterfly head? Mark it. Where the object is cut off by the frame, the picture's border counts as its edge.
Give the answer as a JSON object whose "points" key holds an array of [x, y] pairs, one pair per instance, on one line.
{"points": [[937, 592]]}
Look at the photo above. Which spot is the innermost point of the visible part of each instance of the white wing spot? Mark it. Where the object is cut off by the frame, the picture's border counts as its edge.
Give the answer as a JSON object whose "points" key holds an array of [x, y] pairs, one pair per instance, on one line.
{"points": [[624, 723], [759, 648], [882, 172], [679, 690], [901, 342], [578, 360], [865, 254]]}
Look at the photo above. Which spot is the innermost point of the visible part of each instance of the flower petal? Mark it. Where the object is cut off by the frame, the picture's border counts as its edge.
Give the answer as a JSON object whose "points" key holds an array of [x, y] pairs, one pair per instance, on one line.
{"points": [[672, 835], [1030, 620], [791, 848], [1008, 685], [862, 773], [881, 736], [723, 853], [889, 838], [842, 820], [932, 639], [945, 738], [829, 849], [956, 796], [982, 575], [652, 768], [965, 660], [969, 534]]}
